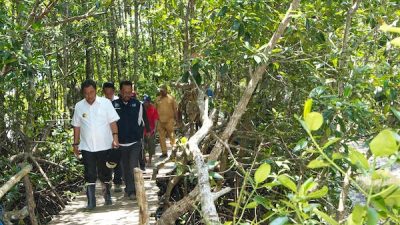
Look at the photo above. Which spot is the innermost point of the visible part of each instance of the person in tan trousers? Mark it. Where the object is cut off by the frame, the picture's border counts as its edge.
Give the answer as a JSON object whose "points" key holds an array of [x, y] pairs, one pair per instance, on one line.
{"points": [[167, 109]]}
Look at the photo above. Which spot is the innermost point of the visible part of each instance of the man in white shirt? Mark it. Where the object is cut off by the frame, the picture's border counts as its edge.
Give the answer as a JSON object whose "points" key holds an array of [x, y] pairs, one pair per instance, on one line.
{"points": [[95, 133], [109, 92]]}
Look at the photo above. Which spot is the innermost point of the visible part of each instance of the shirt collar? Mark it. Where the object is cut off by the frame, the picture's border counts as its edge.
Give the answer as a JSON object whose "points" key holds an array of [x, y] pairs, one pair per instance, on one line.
{"points": [[96, 101]]}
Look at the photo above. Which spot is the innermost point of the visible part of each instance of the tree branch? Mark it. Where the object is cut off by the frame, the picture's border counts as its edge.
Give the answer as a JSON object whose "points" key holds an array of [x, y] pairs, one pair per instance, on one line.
{"points": [[349, 17], [208, 208], [48, 181]]}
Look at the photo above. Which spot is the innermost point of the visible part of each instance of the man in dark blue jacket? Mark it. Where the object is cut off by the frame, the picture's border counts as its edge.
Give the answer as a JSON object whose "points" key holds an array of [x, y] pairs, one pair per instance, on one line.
{"points": [[130, 132]]}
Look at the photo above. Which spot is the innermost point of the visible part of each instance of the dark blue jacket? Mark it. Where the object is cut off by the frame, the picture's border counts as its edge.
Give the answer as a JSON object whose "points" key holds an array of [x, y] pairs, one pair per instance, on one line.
{"points": [[131, 122]]}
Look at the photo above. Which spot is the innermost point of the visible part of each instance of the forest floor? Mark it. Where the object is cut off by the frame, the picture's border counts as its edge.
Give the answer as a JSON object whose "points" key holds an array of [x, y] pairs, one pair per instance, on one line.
{"points": [[122, 211]]}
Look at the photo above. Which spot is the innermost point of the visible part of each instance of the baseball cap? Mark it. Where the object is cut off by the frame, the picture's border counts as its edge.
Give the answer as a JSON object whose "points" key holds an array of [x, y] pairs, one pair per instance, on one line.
{"points": [[146, 98]]}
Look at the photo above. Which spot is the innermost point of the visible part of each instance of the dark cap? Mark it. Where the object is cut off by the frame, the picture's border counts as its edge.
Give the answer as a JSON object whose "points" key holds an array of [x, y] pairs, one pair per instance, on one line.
{"points": [[146, 98], [108, 85]]}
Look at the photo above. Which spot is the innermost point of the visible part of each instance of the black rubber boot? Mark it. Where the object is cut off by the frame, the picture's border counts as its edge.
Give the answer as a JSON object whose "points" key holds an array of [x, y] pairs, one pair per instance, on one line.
{"points": [[107, 193], [91, 196]]}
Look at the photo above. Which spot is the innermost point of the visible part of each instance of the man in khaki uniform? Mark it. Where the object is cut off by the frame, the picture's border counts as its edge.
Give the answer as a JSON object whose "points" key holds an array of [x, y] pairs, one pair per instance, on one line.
{"points": [[168, 113]]}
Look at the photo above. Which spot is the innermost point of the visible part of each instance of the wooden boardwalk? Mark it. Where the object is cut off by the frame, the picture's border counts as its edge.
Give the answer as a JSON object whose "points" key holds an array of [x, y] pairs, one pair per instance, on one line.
{"points": [[122, 211]]}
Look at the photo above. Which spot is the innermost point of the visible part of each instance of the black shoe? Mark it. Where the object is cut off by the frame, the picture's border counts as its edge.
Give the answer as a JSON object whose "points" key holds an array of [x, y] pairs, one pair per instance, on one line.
{"points": [[91, 196], [163, 156], [107, 193]]}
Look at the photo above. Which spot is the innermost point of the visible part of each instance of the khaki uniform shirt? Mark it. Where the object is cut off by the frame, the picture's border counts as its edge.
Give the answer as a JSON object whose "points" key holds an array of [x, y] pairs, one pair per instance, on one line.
{"points": [[166, 108]]}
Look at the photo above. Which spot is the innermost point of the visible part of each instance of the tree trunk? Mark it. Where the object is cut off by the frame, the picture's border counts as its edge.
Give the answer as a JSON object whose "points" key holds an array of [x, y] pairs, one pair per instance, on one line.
{"points": [[136, 43], [88, 58]]}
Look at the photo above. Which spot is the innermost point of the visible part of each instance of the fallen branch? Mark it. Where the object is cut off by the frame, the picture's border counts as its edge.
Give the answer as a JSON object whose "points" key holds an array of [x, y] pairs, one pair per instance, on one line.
{"points": [[15, 179]]}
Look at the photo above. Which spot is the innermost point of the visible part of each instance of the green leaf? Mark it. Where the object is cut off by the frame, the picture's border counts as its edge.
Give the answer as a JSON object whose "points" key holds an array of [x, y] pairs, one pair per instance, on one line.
{"points": [[234, 204], [319, 193], [358, 159], [372, 216], [262, 173], [300, 145], [314, 120], [261, 201], [358, 214], [228, 223], [223, 11], [279, 221], [395, 42], [388, 28], [384, 144], [330, 142], [307, 107], [212, 164], [337, 155], [347, 90], [287, 182], [325, 217], [216, 176], [309, 184], [395, 112], [393, 199], [317, 163], [251, 205], [257, 59]]}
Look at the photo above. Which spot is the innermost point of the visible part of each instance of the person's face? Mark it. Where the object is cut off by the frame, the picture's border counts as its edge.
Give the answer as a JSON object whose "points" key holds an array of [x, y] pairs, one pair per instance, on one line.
{"points": [[108, 93], [146, 104], [163, 92], [126, 92], [89, 93]]}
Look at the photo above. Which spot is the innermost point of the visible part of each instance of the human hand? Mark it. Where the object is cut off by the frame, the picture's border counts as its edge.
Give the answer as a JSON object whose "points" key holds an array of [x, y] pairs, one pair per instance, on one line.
{"points": [[115, 143], [76, 151]]}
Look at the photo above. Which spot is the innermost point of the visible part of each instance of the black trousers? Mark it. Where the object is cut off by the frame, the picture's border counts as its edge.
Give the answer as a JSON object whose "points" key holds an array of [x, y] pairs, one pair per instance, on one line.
{"points": [[95, 166], [130, 159], [115, 157], [118, 174]]}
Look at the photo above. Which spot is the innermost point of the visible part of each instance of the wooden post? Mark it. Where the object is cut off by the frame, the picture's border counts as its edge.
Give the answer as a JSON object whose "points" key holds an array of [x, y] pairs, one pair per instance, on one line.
{"points": [[141, 197], [30, 200]]}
